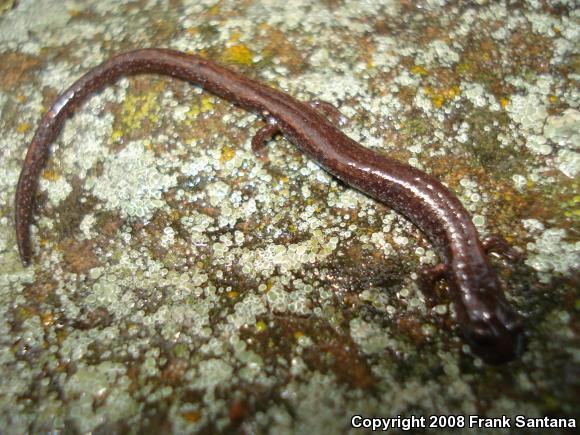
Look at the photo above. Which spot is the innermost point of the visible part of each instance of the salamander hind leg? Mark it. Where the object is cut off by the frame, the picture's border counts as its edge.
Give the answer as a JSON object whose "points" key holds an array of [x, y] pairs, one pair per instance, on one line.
{"points": [[260, 139], [427, 280], [498, 245], [329, 110]]}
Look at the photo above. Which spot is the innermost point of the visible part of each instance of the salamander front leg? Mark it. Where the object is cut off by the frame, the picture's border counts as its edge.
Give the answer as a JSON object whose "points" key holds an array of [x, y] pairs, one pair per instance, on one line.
{"points": [[498, 245], [329, 110], [259, 141], [427, 280]]}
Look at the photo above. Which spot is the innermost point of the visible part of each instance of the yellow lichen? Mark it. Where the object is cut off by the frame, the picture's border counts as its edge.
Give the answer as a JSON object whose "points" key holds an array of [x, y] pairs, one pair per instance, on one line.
{"points": [[463, 68], [24, 313], [261, 326], [50, 175], [47, 318], [227, 154], [6, 5], [206, 104], [139, 108], [23, 127], [573, 204], [440, 96], [193, 112], [417, 69], [438, 100], [504, 102], [239, 54], [214, 10], [116, 135]]}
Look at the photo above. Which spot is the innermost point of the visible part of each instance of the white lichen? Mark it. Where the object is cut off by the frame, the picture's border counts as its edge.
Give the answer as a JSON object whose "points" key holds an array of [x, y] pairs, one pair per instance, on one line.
{"points": [[132, 183]]}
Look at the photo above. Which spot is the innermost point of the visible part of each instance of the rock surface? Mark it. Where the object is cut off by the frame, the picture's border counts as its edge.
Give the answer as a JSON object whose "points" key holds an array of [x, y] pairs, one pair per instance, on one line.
{"points": [[180, 284]]}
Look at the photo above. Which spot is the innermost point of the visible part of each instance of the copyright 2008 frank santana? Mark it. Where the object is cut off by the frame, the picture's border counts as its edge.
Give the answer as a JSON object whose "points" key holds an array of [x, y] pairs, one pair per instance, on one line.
{"points": [[458, 421]]}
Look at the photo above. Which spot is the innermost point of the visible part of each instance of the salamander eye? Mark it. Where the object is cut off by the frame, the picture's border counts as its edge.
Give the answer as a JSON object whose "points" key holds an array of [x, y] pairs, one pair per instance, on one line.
{"points": [[482, 335]]}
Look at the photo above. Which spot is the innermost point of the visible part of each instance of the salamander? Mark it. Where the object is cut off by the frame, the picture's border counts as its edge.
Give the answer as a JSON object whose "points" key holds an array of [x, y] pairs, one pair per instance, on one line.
{"points": [[489, 324]]}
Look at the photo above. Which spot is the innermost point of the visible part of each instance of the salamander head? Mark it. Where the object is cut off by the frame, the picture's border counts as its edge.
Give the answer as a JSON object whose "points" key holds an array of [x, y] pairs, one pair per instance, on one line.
{"points": [[496, 342], [493, 329]]}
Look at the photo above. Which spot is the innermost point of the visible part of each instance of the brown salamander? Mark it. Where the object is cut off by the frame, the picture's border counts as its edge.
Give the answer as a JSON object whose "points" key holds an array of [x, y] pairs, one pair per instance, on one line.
{"points": [[489, 324]]}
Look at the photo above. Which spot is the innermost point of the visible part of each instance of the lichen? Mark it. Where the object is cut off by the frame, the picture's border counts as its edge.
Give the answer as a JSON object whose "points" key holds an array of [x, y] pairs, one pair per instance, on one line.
{"points": [[179, 283], [131, 182]]}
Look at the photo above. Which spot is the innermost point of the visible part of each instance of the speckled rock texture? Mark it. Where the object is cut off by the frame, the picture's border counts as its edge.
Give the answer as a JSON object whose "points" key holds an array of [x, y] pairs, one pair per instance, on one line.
{"points": [[180, 284]]}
